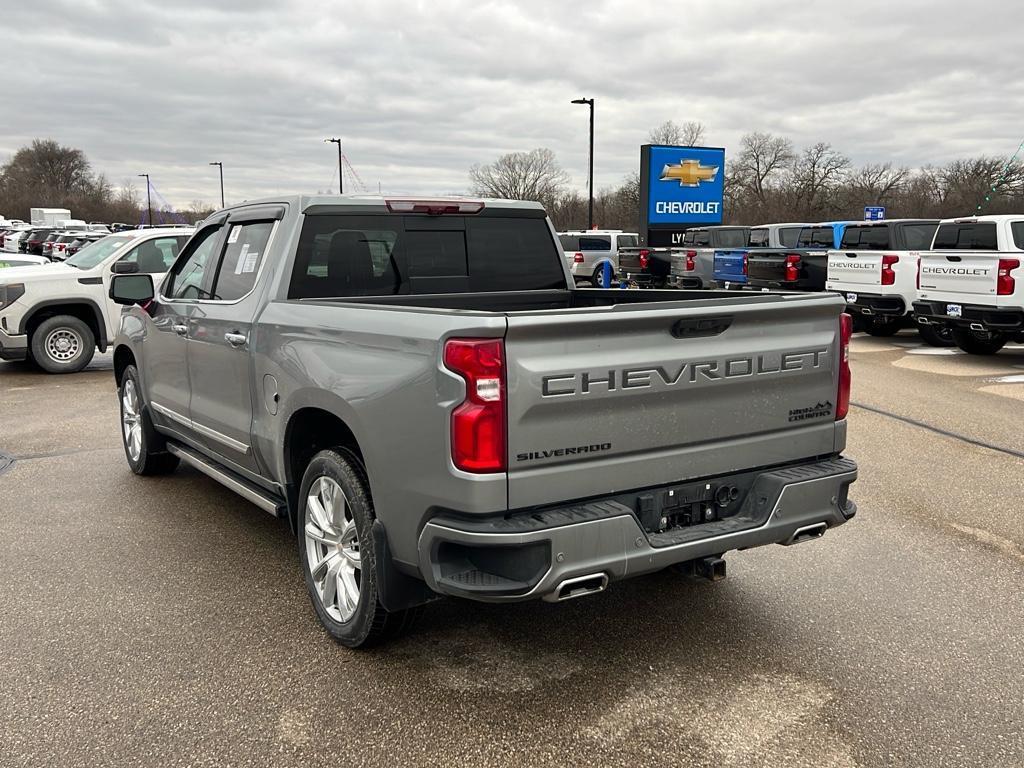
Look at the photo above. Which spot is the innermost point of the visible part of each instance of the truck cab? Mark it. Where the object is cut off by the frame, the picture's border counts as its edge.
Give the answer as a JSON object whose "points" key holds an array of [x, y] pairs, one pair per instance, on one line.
{"points": [[731, 263], [799, 268], [971, 282]]}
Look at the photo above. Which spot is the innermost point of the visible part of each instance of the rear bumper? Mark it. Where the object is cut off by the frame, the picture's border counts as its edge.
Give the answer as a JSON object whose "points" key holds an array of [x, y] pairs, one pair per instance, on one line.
{"points": [[532, 554], [685, 281], [874, 304], [975, 316], [13, 346]]}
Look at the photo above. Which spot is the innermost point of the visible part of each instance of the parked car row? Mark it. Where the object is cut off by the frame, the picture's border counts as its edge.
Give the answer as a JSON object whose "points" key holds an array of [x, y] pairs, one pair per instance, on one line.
{"points": [[955, 279]]}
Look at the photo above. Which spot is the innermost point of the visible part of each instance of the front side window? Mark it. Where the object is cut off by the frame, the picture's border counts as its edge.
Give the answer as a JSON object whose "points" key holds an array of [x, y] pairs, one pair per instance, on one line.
{"points": [[87, 258], [244, 252], [155, 256], [186, 278]]}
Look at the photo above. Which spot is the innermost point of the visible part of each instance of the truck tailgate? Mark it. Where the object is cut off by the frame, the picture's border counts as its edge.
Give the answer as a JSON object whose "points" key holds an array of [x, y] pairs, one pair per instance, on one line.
{"points": [[860, 268], [731, 265], [644, 394], [961, 273]]}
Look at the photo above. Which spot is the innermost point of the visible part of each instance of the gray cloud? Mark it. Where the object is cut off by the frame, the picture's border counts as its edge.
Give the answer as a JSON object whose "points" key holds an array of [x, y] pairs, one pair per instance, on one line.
{"points": [[420, 91]]}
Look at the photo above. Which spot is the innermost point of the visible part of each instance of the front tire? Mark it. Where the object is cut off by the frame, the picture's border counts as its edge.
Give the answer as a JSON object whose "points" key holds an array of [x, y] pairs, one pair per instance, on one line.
{"points": [[144, 447], [974, 343], [336, 551], [63, 344], [936, 335]]}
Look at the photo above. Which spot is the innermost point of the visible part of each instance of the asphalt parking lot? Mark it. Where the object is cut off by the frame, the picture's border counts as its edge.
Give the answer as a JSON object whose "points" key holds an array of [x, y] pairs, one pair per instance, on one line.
{"points": [[165, 621]]}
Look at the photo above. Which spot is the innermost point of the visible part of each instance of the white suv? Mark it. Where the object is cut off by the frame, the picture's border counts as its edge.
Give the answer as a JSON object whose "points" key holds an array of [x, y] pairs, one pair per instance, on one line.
{"points": [[58, 314]]}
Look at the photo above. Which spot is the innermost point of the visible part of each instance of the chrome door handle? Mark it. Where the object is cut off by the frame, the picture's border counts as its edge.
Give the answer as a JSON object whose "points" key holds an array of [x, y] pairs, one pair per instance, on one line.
{"points": [[181, 330], [235, 339]]}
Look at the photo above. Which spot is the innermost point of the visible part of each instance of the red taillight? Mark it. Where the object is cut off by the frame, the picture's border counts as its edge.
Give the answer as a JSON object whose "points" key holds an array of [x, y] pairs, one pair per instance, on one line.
{"points": [[792, 267], [478, 423], [578, 258], [843, 395], [691, 261], [888, 275], [918, 271], [1005, 284], [744, 262], [645, 258]]}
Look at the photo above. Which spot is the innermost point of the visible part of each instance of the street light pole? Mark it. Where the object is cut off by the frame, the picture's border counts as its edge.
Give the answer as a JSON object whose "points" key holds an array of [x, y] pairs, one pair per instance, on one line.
{"points": [[341, 187], [221, 166], [149, 200], [590, 206]]}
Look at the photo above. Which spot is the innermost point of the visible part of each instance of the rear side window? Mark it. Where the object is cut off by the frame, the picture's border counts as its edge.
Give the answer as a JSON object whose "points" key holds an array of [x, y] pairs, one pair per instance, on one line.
{"points": [[732, 238], [688, 237], [626, 241], [918, 237], [569, 242], [866, 238], [969, 236], [341, 255], [595, 243], [789, 236], [244, 251], [1017, 229], [758, 238]]}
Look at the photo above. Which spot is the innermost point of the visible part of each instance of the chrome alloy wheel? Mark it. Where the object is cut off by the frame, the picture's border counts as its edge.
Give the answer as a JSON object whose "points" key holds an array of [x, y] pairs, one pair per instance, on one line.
{"points": [[63, 344], [332, 548], [131, 419]]}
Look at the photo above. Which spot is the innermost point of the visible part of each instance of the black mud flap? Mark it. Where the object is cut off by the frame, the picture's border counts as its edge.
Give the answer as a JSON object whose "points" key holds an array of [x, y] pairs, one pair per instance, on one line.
{"points": [[396, 590]]}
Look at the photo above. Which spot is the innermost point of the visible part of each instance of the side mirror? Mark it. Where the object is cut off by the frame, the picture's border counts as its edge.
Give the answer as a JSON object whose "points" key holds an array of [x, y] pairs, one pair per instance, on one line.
{"points": [[131, 289], [124, 267]]}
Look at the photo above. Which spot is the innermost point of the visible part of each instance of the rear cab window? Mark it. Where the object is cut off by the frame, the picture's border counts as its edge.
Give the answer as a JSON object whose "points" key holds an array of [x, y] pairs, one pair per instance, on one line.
{"points": [[816, 237], [966, 236], [702, 238], [1017, 232], [341, 255], [788, 236], [626, 241], [595, 243], [758, 238], [918, 237], [868, 238], [569, 242], [731, 238]]}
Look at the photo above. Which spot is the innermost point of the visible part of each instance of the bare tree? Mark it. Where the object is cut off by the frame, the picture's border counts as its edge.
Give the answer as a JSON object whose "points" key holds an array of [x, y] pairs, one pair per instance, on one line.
{"points": [[816, 176], [877, 182], [763, 158], [689, 134], [533, 175]]}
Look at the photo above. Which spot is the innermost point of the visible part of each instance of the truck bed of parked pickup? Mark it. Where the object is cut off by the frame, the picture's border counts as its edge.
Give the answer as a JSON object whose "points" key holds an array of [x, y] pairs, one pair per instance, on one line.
{"points": [[419, 389]]}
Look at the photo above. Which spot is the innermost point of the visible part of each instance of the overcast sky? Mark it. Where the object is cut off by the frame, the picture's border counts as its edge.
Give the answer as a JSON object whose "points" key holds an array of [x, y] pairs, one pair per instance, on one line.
{"points": [[420, 91]]}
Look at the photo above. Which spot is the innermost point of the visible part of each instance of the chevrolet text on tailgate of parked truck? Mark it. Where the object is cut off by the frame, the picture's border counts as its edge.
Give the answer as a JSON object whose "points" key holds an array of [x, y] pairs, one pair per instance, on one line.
{"points": [[417, 387]]}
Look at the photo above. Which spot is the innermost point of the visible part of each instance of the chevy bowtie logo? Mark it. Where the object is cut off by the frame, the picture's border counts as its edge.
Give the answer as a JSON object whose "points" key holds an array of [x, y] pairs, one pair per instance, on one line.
{"points": [[689, 173]]}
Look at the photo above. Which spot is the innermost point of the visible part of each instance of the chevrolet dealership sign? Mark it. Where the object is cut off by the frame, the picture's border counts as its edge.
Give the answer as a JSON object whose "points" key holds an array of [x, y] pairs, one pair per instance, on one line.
{"points": [[680, 187]]}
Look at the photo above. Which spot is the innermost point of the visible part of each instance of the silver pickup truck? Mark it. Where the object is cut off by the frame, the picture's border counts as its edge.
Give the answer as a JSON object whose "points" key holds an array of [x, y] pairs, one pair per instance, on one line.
{"points": [[416, 386]]}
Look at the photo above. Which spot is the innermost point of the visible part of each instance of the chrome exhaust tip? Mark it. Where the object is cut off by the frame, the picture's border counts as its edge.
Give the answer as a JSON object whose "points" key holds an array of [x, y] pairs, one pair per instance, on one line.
{"points": [[578, 586], [807, 533]]}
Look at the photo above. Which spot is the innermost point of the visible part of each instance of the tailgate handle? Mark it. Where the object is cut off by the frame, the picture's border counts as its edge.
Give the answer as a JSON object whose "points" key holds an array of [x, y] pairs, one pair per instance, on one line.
{"points": [[953, 258], [700, 326]]}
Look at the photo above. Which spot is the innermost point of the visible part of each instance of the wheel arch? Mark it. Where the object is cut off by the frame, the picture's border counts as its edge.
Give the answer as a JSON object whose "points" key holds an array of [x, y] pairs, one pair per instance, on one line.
{"points": [[123, 357], [85, 310]]}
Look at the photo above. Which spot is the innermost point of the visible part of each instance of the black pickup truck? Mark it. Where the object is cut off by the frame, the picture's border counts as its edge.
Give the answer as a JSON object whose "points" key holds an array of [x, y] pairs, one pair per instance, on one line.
{"points": [[646, 266], [803, 268]]}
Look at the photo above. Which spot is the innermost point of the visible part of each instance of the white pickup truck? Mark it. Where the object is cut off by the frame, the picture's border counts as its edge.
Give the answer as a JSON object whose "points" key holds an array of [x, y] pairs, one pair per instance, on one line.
{"points": [[875, 269], [58, 314], [972, 282]]}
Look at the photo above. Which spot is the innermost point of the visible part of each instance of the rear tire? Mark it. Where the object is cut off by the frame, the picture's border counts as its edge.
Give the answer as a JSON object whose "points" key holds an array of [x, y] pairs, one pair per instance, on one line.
{"points": [[335, 541], [883, 329], [63, 344], [144, 447], [974, 343], [936, 335]]}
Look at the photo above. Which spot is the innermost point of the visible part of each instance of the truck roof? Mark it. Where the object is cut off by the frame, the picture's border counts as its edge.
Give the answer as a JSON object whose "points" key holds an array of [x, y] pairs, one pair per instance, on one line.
{"points": [[997, 217], [883, 222], [782, 224], [304, 202]]}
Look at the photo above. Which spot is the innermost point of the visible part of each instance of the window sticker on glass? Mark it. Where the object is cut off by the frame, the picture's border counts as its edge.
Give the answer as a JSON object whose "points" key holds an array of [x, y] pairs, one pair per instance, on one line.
{"points": [[247, 260], [235, 232]]}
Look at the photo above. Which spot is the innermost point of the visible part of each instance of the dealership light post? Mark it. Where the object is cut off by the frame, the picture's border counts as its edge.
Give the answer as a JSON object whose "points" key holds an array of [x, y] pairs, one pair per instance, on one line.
{"points": [[590, 205], [221, 167], [341, 188], [149, 200]]}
